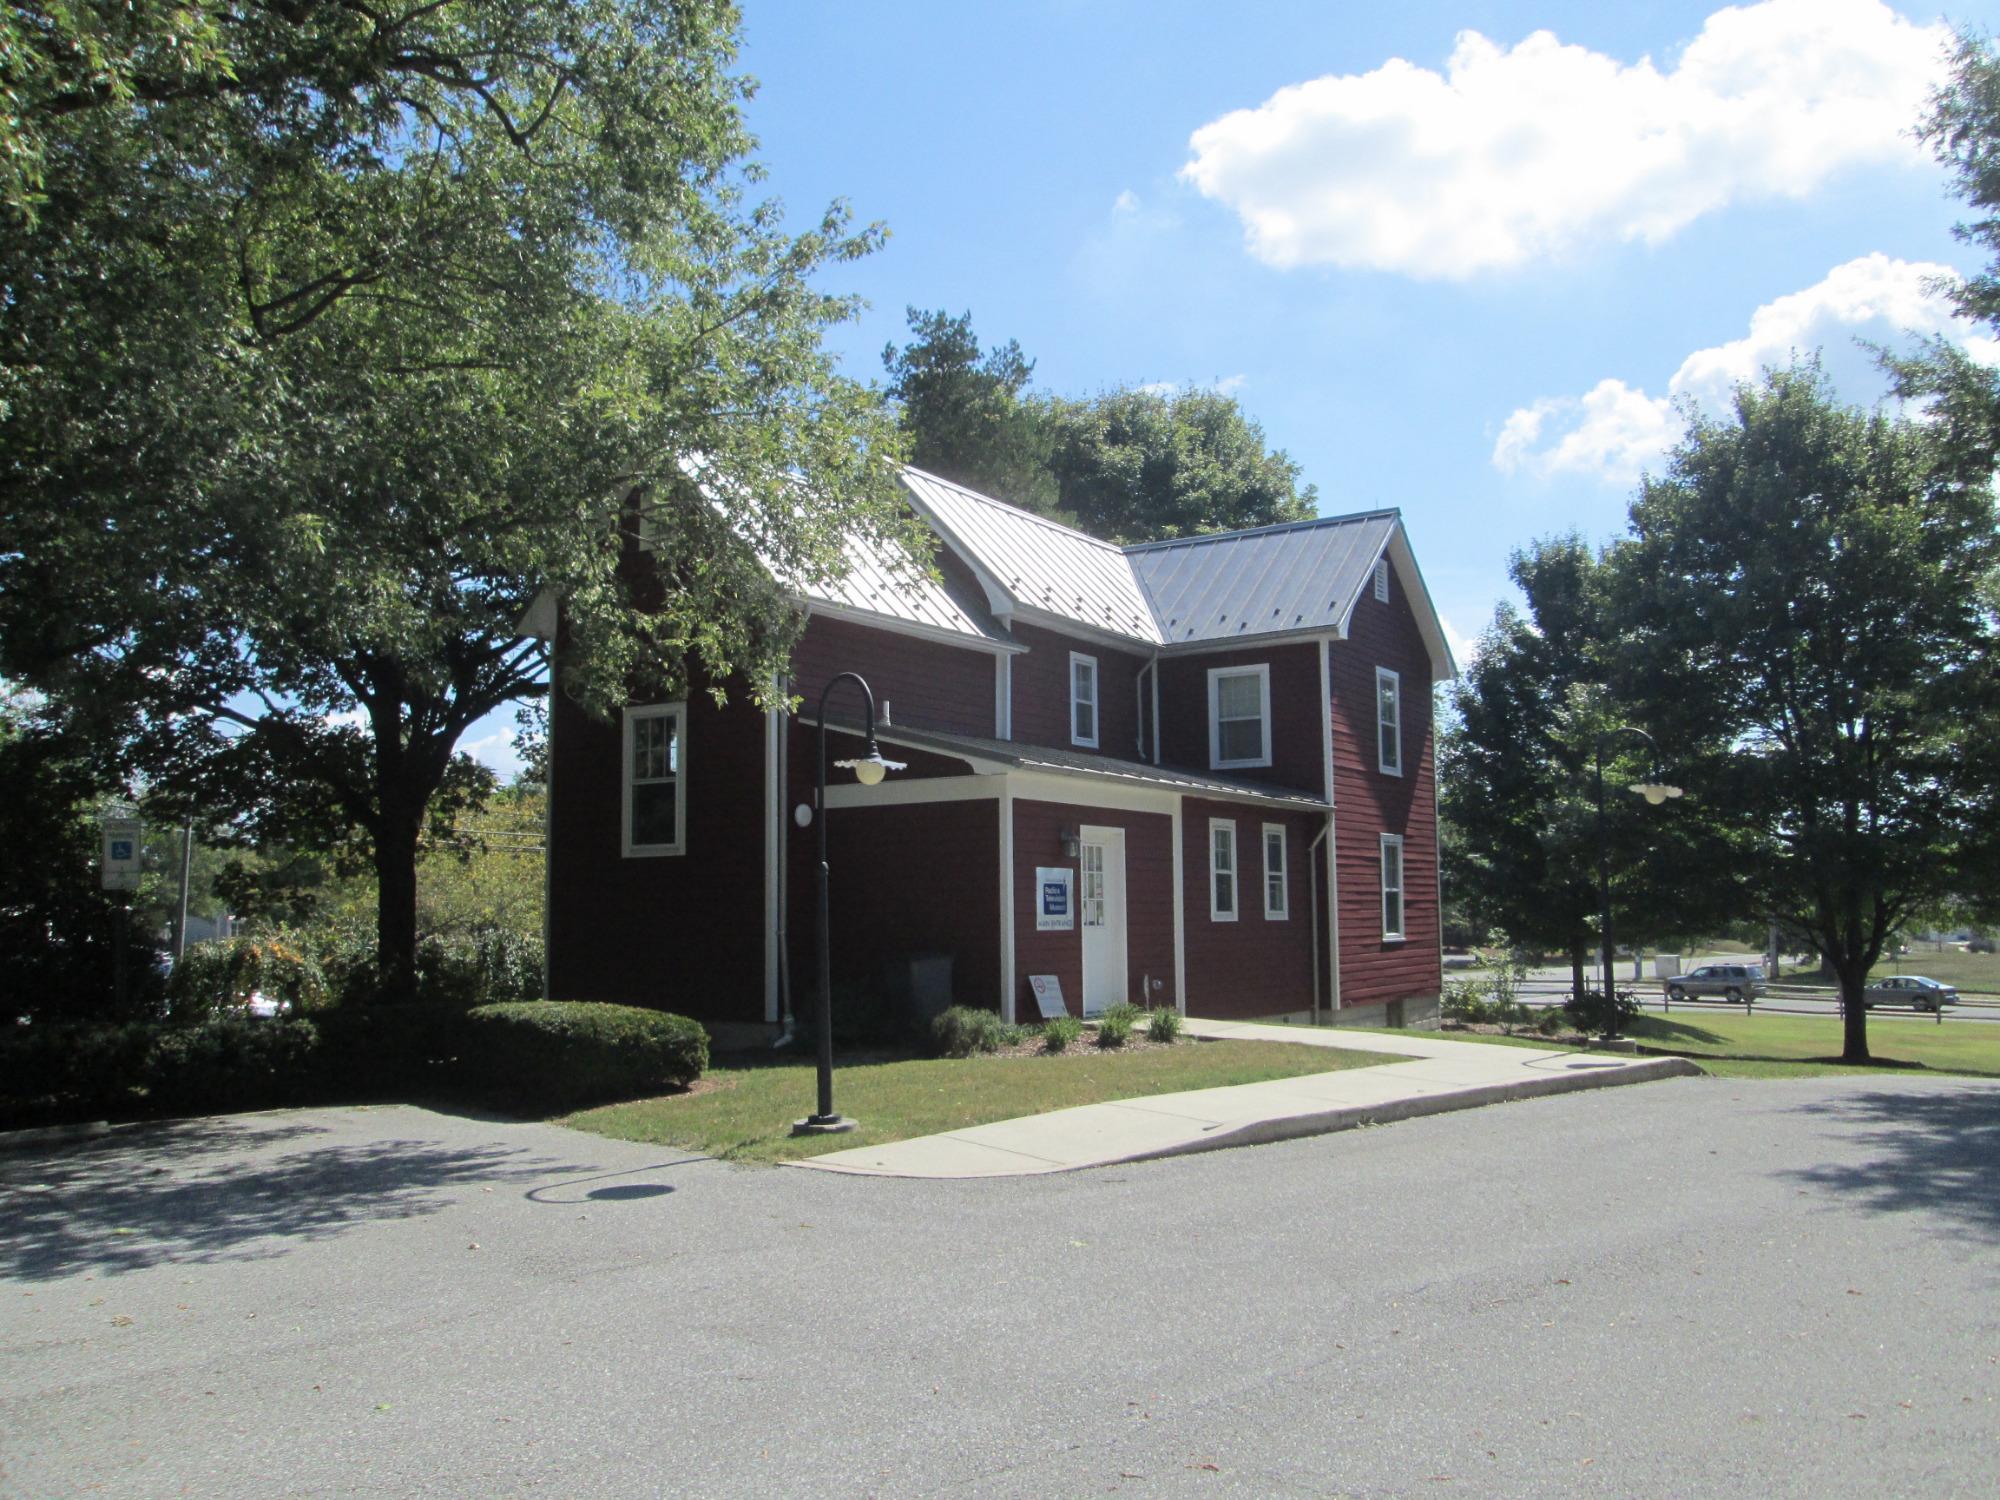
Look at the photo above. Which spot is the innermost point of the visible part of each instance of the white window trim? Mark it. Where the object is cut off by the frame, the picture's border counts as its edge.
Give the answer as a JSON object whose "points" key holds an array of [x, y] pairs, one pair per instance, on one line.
{"points": [[1396, 679], [1382, 580], [1282, 912], [1096, 702], [1262, 671], [1401, 888], [1215, 910], [678, 712]]}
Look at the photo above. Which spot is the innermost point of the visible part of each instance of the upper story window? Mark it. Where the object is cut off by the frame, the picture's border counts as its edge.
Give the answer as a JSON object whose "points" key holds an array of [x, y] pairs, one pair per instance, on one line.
{"points": [[1277, 894], [655, 811], [1382, 579], [1392, 887], [1239, 716], [1222, 869], [1389, 721], [1082, 699]]}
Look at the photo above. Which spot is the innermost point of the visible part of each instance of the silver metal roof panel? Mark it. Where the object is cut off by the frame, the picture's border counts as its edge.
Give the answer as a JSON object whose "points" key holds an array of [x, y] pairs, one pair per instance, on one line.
{"points": [[883, 580]]}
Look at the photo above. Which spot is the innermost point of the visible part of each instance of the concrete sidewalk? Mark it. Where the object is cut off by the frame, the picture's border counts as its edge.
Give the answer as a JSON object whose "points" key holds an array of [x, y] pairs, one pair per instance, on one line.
{"points": [[1439, 1075]]}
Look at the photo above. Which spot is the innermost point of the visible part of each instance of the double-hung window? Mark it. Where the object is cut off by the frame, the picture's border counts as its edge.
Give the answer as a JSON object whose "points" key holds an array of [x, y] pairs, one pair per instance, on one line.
{"points": [[655, 804], [1392, 887], [1277, 896], [1389, 721], [1239, 717], [1221, 870], [1083, 700]]}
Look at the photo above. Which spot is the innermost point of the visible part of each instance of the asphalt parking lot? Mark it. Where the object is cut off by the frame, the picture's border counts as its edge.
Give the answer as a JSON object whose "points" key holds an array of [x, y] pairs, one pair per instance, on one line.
{"points": [[1691, 1287]]}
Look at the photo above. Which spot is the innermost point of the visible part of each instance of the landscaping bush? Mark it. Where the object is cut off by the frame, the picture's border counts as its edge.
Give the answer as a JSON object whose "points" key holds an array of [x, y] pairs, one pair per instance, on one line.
{"points": [[389, 1051], [555, 1055], [1550, 1021], [1057, 1035], [230, 1063], [1595, 1013], [217, 978], [964, 1030], [1465, 1001], [1114, 1027], [53, 1071], [1164, 1025], [479, 966]]}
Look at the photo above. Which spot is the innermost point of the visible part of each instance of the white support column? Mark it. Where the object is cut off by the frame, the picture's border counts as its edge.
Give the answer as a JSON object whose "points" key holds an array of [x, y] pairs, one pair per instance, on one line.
{"points": [[1180, 913], [1005, 803]]}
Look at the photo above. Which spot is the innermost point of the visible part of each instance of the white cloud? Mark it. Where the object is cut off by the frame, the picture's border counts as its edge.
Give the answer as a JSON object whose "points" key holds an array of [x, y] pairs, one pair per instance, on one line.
{"points": [[1126, 202], [1615, 430], [1463, 650], [1519, 153], [1227, 385], [496, 752]]}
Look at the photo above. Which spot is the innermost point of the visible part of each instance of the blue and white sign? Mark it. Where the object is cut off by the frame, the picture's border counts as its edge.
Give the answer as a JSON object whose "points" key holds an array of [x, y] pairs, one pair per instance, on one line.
{"points": [[121, 855], [1055, 905]]}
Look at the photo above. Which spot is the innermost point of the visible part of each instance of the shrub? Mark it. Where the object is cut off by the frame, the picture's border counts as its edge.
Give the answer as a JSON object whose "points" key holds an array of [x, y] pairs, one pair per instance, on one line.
{"points": [[1979, 945], [963, 1030], [1595, 1013], [232, 1062], [479, 966], [1550, 1021], [217, 978], [1164, 1025], [1059, 1033], [389, 1051], [1465, 1001], [552, 1054], [1114, 1027], [69, 1071]]}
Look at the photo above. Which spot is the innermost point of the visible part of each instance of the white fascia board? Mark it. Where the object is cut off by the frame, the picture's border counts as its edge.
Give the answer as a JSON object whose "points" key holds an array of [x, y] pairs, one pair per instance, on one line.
{"points": [[893, 793], [1248, 642], [1049, 620], [998, 600], [1404, 561], [886, 733], [1092, 791], [895, 625]]}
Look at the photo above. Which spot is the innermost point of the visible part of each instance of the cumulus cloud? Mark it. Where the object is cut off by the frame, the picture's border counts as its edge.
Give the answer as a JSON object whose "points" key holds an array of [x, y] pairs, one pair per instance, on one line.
{"points": [[496, 752], [1613, 431], [1513, 154]]}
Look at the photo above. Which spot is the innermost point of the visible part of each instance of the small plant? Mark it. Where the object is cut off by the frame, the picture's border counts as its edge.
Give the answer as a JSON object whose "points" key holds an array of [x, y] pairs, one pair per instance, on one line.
{"points": [[1550, 1021], [1595, 1013], [1012, 1035], [1164, 1025], [1114, 1027], [1057, 1035], [963, 1031]]}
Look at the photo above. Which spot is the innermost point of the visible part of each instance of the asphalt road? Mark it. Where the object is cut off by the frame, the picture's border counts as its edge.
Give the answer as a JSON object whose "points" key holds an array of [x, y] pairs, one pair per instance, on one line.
{"points": [[1699, 1287]]}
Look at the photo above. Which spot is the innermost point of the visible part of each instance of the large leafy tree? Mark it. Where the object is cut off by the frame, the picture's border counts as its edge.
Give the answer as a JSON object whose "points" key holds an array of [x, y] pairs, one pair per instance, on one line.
{"points": [[1134, 464], [1800, 615], [337, 335]]}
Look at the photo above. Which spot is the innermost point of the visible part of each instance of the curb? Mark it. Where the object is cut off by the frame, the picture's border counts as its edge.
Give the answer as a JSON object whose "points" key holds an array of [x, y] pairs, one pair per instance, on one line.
{"points": [[1327, 1122], [52, 1135]]}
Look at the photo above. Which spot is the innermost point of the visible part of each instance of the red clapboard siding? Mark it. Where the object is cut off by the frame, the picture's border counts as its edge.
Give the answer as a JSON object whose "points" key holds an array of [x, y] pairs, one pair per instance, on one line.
{"points": [[681, 932], [1041, 693], [1297, 751], [1149, 901], [903, 880], [1369, 804], [930, 684], [1253, 966]]}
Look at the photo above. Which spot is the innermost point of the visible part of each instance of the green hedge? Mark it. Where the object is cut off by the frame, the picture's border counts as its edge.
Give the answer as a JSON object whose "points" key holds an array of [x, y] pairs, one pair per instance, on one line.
{"points": [[555, 1054]]}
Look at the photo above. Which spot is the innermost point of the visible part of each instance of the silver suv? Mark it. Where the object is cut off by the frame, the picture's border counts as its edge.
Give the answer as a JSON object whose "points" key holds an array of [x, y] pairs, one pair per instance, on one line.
{"points": [[1736, 983]]}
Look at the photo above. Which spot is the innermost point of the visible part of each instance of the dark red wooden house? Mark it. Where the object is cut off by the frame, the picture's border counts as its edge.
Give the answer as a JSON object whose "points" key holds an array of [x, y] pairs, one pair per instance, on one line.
{"points": [[1195, 773]]}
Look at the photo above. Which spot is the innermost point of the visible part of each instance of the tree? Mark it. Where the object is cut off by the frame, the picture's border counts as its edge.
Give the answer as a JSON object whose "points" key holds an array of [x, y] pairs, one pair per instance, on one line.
{"points": [[965, 412], [1142, 465], [1135, 464], [1799, 613], [338, 339], [1516, 771]]}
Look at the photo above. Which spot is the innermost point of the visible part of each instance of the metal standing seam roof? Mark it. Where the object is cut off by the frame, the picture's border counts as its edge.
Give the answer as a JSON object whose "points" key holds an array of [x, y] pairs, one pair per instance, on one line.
{"points": [[881, 580], [1037, 563], [1298, 577]]}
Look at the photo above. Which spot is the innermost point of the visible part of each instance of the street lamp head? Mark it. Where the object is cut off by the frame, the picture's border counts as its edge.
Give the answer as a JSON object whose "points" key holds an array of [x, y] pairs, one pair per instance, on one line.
{"points": [[872, 767], [1656, 792]]}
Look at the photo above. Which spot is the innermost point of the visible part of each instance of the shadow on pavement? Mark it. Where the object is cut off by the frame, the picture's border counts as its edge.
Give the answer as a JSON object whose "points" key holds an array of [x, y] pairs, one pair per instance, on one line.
{"points": [[1937, 1152], [228, 1188]]}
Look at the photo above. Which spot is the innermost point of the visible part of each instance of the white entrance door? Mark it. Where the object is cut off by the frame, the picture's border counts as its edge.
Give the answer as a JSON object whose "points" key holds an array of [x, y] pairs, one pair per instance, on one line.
{"points": [[1101, 910]]}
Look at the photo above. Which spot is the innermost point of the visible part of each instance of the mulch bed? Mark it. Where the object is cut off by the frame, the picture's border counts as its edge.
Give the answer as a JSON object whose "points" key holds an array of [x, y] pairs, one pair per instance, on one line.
{"points": [[1567, 1037]]}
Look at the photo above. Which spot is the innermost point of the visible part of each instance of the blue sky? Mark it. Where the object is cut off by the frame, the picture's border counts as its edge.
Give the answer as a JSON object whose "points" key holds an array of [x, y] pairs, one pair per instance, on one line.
{"points": [[1454, 257]]}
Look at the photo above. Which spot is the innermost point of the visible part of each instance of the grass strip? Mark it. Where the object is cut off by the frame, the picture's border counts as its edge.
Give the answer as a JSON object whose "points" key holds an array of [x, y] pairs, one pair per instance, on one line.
{"points": [[746, 1113]]}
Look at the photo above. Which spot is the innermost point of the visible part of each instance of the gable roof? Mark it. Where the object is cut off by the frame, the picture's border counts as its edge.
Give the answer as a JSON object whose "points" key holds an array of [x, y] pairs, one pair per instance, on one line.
{"points": [[883, 581], [1188, 593]]}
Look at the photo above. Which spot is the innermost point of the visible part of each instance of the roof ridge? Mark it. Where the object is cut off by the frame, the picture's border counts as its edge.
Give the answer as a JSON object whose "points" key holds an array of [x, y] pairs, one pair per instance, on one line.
{"points": [[1021, 511], [1202, 538]]}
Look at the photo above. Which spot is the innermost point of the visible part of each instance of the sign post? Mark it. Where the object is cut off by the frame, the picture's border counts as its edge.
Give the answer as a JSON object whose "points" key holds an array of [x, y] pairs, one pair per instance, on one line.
{"points": [[121, 869]]}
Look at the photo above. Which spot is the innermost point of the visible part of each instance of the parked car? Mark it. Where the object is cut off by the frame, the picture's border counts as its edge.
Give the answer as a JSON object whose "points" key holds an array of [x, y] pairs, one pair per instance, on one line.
{"points": [[1909, 989], [1736, 983]]}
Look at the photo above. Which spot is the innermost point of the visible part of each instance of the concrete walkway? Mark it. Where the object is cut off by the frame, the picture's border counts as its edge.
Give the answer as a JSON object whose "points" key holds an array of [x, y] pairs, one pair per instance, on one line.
{"points": [[1440, 1075]]}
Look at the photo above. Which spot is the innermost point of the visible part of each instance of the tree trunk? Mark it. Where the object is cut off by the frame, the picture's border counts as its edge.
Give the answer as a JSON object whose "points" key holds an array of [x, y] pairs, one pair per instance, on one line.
{"points": [[1576, 961], [1854, 1016], [396, 908]]}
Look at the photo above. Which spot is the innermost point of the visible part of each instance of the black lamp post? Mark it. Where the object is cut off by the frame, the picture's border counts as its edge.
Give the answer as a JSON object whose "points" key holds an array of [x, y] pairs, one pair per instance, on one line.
{"points": [[869, 770], [1655, 792]]}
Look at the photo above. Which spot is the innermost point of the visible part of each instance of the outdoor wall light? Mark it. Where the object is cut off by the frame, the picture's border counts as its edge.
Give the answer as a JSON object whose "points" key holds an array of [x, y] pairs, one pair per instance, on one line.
{"points": [[1070, 840]]}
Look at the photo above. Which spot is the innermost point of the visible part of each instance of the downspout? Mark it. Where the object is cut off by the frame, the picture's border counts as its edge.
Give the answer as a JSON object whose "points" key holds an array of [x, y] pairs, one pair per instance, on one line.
{"points": [[1153, 666], [1313, 867], [781, 792]]}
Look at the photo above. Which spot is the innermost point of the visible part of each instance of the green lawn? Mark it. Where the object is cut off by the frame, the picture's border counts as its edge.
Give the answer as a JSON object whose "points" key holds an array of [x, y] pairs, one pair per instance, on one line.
{"points": [[746, 1113], [1771, 1046]]}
